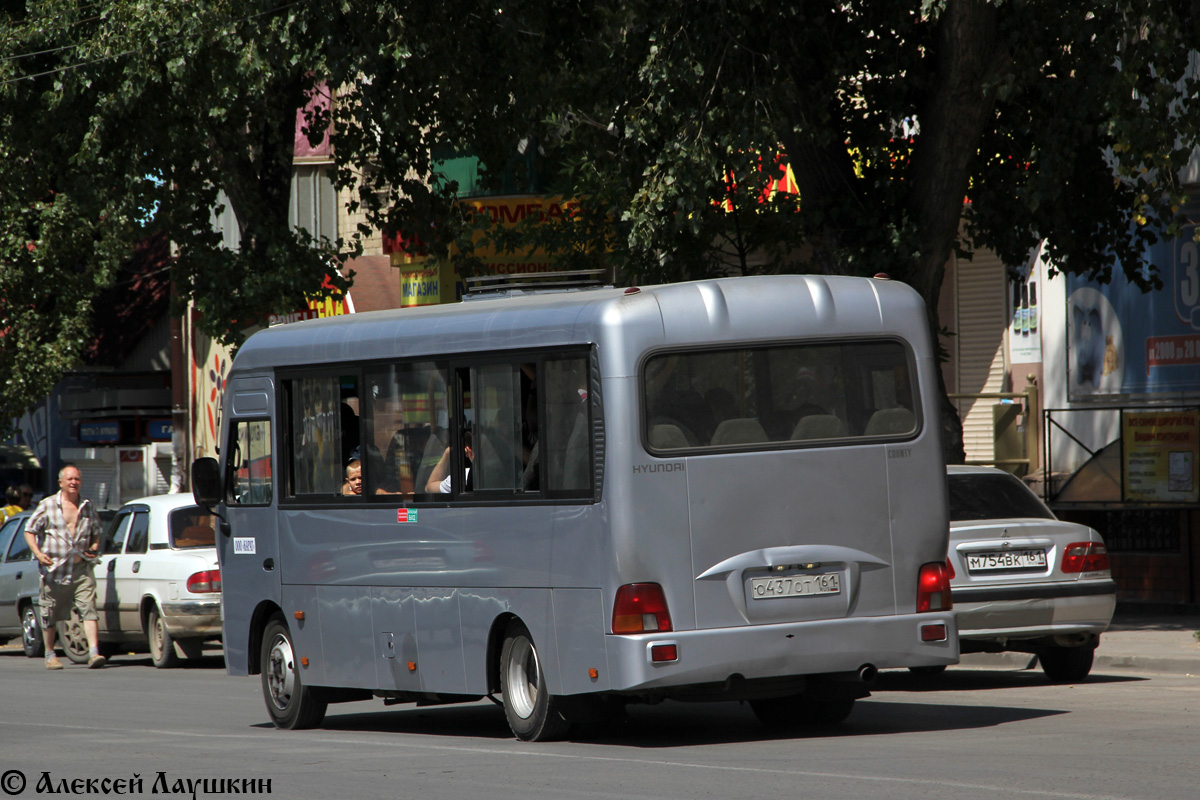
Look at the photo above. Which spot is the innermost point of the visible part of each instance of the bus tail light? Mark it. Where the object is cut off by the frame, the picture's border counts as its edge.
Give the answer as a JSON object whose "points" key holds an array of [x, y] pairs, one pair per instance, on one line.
{"points": [[207, 581], [933, 588], [1085, 557], [641, 608]]}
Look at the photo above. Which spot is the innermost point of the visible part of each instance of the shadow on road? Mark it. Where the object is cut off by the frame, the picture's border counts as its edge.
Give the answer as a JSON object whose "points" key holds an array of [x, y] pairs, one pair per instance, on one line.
{"points": [[673, 724], [977, 679]]}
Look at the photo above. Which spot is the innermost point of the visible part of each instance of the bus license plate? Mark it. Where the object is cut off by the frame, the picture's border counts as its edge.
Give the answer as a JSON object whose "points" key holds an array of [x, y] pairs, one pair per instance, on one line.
{"points": [[1006, 559], [795, 586]]}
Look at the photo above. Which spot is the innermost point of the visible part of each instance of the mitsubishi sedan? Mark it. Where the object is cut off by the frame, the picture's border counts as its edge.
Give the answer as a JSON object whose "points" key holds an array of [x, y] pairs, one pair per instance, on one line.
{"points": [[1023, 580]]}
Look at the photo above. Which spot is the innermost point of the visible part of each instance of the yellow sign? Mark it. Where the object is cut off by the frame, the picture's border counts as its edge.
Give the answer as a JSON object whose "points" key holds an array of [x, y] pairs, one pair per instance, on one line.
{"points": [[504, 211], [428, 284], [1159, 450]]}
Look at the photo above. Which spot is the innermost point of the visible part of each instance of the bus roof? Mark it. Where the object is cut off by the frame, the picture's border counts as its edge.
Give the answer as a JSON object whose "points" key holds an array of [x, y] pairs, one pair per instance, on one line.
{"points": [[720, 310]]}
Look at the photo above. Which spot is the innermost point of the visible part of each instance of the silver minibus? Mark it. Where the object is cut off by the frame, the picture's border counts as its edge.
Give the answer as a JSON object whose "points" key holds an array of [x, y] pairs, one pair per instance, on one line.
{"points": [[571, 501]]}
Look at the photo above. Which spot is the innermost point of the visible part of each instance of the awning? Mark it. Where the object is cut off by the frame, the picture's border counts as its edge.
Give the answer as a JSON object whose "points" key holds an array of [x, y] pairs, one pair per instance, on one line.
{"points": [[18, 456]]}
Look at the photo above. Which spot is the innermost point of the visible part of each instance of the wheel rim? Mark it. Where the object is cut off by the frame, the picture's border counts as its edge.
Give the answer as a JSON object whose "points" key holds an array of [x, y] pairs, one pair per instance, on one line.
{"points": [[522, 683], [31, 632], [281, 672], [72, 635], [157, 629]]}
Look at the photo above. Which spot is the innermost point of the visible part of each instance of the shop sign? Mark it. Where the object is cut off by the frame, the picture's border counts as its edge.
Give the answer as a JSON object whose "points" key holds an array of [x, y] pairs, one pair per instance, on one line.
{"points": [[106, 431], [327, 305], [1159, 455], [159, 430]]}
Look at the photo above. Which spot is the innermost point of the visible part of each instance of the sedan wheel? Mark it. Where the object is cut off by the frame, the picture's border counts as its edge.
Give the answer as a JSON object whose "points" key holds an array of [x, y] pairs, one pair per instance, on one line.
{"points": [[31, 633], [1067, 664], [162, 645], [73, 640]]}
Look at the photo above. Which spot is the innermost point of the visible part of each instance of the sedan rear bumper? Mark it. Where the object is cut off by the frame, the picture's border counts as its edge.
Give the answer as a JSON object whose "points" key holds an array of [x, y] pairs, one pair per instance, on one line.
{"points": [[193, 618], [1025, 612]]}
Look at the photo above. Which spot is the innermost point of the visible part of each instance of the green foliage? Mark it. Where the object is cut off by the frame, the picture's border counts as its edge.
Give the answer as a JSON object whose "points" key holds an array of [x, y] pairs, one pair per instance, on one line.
{"points": [[122, 118], [663, 121], [1064, 121]]}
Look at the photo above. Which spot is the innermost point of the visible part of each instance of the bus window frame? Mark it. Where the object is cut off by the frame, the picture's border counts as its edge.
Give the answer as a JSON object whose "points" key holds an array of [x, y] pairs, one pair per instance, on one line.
{"points": [[782, 444], [454, 363], [231, 464]]}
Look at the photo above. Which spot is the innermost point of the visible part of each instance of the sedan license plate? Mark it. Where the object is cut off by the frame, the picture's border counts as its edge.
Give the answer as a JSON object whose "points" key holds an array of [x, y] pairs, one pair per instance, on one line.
{"points": [[1006, 560], [795, 586]]}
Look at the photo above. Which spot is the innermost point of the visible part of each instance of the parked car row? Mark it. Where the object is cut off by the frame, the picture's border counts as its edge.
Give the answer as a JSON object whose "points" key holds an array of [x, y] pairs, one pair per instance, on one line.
{"points": [[1021, 579], [158, 583]]}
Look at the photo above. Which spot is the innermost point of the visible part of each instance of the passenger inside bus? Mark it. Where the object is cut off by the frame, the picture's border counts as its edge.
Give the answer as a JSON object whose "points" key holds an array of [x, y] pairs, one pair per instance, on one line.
{"points": [[354, 482], [439, 479]]}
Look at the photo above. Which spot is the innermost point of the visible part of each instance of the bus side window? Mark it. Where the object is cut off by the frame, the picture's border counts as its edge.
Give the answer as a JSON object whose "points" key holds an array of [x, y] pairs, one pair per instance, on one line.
{"points": [[315, 422], [567, 439], [497, 439], [250, 463], [405, 414]]}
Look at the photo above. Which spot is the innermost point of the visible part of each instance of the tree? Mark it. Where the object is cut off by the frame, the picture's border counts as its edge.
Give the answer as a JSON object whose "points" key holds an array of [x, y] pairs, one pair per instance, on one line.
{"points": [[122, 118], [1060, 121]]}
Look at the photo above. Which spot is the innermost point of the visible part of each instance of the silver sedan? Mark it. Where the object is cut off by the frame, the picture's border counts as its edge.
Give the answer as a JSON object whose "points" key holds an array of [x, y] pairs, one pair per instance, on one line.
{"points": [[1023, 580]]}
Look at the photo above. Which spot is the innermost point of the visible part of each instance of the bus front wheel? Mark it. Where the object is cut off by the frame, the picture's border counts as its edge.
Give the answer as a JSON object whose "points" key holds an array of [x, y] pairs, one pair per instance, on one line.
{"points": [[291, 704], [532, 713]]}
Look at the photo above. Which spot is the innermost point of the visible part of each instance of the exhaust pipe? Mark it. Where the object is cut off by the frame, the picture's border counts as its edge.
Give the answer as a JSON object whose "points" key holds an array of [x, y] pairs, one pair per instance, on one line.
{"points": [[867, 673]]}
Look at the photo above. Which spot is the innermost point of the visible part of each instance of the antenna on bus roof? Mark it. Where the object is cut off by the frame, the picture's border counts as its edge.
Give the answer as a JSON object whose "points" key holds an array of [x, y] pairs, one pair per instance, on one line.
{"points": [[529, 282]]}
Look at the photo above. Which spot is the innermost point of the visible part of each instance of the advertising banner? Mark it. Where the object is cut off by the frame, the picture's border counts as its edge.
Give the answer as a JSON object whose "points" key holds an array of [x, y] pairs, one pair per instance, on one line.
{"points": [[1123, 342], [1159, 456]]}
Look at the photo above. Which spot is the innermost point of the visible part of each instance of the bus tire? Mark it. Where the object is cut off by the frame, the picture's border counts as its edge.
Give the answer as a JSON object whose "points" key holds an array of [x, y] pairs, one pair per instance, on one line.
{"points": [[532, 713], [291, 704], [936, 669], [801, 710]]}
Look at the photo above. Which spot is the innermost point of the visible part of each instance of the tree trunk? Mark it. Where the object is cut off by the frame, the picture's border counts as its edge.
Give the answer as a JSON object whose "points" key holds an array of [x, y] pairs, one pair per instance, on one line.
{"points": [[967, 60]]}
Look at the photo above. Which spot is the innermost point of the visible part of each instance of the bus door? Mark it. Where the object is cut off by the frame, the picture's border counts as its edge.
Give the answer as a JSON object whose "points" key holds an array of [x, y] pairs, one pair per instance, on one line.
{"points": [[249, 555]]}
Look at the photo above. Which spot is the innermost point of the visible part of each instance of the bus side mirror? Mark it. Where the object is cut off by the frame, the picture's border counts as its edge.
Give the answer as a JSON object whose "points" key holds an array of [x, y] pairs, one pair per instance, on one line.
{"points": [[206, 482]]}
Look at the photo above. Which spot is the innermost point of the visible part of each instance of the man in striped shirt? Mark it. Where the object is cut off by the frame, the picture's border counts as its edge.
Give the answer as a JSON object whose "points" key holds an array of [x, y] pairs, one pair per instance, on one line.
{"points": [[64, 536]]}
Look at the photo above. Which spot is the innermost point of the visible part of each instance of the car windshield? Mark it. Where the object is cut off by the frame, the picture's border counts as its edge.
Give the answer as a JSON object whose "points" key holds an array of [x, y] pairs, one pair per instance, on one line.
{"points": [[977, 495], [192, 527]]}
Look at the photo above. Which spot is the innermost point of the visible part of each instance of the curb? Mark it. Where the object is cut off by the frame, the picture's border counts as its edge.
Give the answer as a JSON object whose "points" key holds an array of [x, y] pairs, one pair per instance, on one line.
{"points": [[1169, 665]]}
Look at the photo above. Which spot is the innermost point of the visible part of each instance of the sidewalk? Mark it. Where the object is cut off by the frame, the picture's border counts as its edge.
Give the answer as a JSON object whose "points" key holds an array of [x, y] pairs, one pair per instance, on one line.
{"points": [[1135, 642]]}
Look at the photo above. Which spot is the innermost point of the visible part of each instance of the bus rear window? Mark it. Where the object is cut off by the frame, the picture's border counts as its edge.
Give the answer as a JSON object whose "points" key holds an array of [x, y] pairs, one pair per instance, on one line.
{"points": [[799, 394]]}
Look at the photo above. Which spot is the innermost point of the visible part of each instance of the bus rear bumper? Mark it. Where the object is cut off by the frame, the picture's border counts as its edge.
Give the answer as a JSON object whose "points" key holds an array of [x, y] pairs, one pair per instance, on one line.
{"points": [[755, 652]]}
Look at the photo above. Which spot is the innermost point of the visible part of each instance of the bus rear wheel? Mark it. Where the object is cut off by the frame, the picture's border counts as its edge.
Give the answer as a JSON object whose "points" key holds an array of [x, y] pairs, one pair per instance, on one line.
{"points": [[291, 704], [533, 715], [801, 710]]}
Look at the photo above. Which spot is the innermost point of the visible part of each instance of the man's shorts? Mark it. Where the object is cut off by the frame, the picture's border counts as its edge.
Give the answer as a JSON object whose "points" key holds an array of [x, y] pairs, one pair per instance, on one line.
{"points": [[59, 598]]}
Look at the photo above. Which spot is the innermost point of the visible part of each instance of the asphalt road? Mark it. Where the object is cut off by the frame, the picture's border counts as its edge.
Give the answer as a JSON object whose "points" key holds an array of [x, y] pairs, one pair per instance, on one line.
{"points": [[966, 734]]}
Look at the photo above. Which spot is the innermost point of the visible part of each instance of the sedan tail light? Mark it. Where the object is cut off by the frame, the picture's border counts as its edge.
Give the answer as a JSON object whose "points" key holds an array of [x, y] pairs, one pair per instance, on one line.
{"points": [[1085, 557], [641, 608], [207, 581], [933, 588]]}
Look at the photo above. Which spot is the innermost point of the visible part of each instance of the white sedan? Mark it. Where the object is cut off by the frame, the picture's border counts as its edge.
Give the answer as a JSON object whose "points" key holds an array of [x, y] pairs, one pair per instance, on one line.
{"points": [[1023, 580], [158, 583]]}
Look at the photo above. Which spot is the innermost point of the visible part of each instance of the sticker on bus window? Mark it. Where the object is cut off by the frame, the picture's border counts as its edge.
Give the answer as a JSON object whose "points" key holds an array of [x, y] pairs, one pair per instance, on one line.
{"points": [[406, 515], [243, 545]]}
